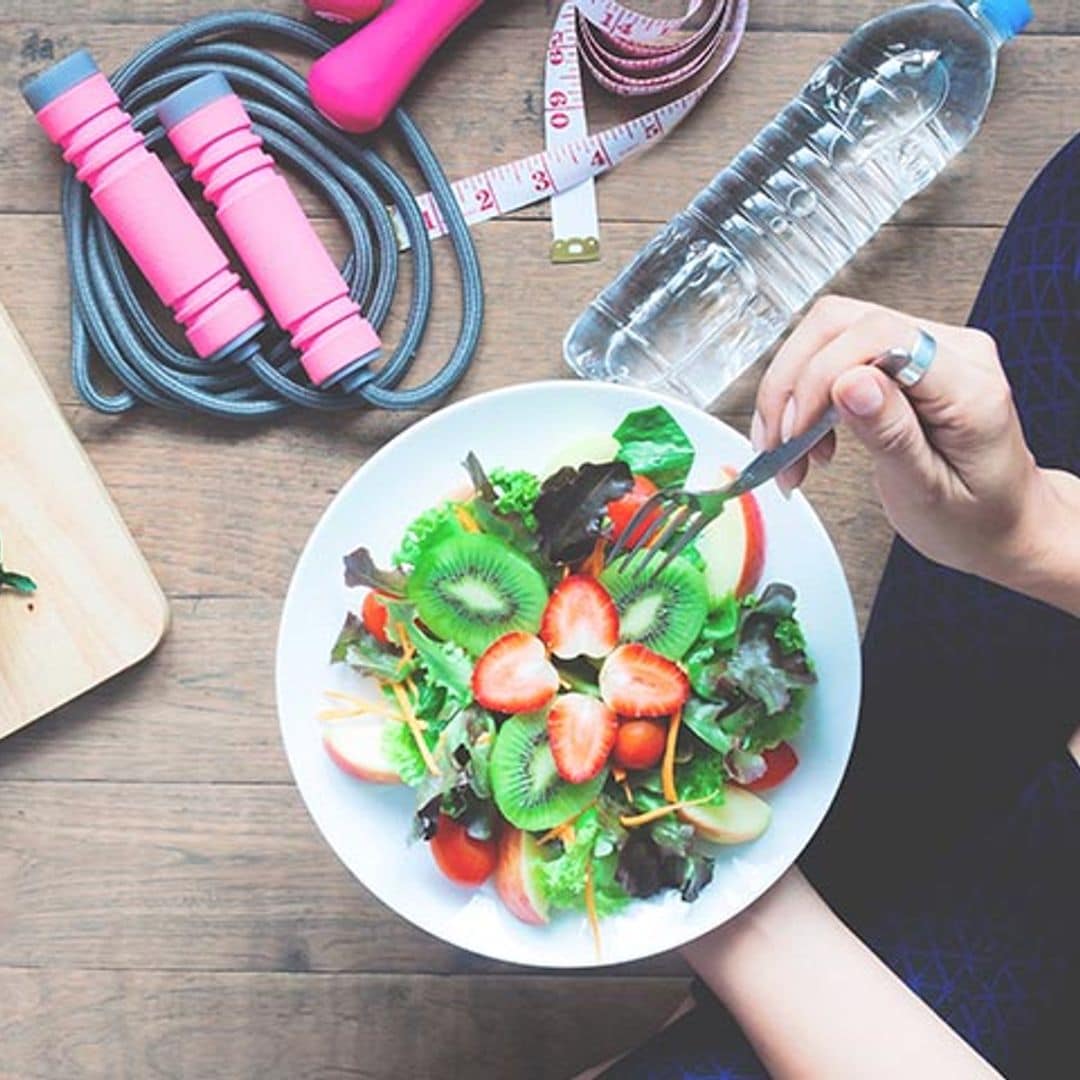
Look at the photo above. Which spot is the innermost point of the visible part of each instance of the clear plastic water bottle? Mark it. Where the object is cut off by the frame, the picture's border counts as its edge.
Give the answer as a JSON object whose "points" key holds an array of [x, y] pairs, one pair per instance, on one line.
{"points": [[873, 126]]}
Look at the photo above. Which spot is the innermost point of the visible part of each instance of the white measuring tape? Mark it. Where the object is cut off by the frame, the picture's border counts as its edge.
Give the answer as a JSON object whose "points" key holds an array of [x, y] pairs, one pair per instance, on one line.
{"points": [[628, 54]]}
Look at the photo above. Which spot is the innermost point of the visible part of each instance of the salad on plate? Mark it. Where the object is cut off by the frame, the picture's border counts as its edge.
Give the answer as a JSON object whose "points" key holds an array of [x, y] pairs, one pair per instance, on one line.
{"points": [[576, 729]]}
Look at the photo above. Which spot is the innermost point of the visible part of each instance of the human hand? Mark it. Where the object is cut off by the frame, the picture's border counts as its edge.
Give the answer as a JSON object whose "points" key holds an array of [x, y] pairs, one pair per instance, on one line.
{"points": [[954, 473]]}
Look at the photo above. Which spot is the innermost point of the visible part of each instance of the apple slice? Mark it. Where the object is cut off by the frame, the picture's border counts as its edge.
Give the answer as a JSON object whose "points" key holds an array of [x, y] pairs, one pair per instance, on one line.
{"points": [[596, 448], [741, 817], [733, 547], [357, 749], [516, 879]]}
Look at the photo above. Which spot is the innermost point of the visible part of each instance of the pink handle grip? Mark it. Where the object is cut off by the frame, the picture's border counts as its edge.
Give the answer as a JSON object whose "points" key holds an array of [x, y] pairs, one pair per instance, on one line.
{"points": [[357, 84], [344, 11], [183, 263], [256, 208]]}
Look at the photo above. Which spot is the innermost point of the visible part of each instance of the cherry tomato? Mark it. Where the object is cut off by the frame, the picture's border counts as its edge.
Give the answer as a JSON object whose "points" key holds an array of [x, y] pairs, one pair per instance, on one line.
{"points": [[780, 763], [639, 744], [622, 510], [375, 617], [461, 857]]}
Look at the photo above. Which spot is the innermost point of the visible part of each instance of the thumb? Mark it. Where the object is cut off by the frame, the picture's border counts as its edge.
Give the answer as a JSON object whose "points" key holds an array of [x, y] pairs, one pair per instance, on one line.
{"points": [[876, 411]]}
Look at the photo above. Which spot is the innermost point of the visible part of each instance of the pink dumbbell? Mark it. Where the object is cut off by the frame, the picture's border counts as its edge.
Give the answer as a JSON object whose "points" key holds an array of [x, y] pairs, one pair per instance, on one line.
{"points": [[344, 11], [131, 187], [357, 84], [211, 130]]}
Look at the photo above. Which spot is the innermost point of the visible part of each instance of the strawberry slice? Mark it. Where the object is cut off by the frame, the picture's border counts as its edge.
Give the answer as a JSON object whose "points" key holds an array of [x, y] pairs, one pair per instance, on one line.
{"points": [[637, 682], [514, 675], [581, 730], [580, 619]]}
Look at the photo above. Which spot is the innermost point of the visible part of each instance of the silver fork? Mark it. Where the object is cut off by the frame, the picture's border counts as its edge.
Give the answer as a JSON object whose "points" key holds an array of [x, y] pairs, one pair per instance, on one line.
{"points": [[684, 514]]}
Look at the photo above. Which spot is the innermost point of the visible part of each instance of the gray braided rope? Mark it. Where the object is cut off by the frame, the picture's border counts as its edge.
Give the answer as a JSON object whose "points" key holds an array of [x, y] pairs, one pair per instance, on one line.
{"points": [[263, 377]]}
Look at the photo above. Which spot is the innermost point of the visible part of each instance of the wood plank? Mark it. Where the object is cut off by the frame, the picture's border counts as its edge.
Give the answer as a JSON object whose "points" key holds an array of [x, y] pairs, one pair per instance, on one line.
{"points": [[195, 877], [88, 1025], [97, 609], [1051, 16], [496, 75]]}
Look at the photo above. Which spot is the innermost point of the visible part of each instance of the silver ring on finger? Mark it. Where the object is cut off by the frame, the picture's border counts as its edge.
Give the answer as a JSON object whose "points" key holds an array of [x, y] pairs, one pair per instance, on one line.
{"points": [[909, 366]]}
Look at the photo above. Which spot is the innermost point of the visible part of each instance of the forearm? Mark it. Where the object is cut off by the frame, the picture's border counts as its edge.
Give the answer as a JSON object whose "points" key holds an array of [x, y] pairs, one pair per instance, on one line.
{"points": [[1045, 561], [817, 1003]]}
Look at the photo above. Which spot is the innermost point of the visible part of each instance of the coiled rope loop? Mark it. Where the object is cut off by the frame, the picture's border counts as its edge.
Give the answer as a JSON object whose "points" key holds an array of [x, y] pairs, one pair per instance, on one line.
{"points": [[264, 377]]}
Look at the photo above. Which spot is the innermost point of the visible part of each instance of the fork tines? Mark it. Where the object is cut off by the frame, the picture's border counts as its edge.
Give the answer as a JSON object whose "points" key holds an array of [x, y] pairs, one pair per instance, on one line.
{"points": [[679, 524]]}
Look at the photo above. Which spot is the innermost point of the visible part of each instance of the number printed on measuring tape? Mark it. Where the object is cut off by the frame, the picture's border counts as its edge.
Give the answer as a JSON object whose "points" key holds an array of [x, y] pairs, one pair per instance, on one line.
{"points": [[628, 54]]}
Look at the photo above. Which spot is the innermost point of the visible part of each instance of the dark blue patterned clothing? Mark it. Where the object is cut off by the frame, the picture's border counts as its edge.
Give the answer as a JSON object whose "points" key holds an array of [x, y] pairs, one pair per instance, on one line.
{"points": [[954, 845]]}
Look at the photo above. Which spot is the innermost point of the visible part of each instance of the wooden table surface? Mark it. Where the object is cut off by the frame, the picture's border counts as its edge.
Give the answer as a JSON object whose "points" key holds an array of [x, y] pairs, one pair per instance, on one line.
{"points": [[167, 908]]}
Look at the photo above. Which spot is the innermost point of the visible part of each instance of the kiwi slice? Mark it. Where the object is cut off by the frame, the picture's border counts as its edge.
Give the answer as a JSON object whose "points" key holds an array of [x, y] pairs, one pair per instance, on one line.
{"points": [[472, 589], [527, 787], [664, 611]]}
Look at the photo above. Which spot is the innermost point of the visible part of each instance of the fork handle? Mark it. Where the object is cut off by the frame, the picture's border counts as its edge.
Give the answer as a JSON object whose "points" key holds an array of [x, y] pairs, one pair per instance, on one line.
{"points": [[766, 465]]}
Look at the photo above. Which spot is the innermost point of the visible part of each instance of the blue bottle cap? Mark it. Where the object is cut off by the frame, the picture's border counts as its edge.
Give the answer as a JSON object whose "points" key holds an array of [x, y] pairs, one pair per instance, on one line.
{"points": [[49, 84], [192, 97], [1008, 17]]}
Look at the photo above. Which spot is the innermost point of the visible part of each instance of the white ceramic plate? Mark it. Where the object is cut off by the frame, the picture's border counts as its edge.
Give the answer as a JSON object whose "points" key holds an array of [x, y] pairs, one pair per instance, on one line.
{"points": [[367, 825]]}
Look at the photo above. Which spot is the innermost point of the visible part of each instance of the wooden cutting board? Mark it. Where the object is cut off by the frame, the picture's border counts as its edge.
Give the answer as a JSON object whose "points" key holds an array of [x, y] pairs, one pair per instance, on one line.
{"points": [[97, 609]]}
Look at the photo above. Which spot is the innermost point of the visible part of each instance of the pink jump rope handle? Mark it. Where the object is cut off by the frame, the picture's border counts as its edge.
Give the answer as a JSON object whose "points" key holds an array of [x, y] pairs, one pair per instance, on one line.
{"points": [[357, 84], [256, 208], [131, 187], [344, 11]]}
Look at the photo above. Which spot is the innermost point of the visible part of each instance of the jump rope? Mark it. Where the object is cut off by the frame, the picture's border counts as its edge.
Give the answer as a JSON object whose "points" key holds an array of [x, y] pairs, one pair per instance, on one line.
{"points": [[257, 373], [220, 101]]}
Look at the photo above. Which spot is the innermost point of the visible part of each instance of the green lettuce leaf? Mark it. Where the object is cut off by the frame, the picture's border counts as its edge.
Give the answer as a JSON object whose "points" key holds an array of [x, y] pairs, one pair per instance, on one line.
{"points": [[789, 636], [516, 492], [770, 730], [446, 666], [703, 718], [721, 629], [501, 513], [562, 878], [703, 775], [401, 751], [654, 445], [672, 836], [464, 756], [752, 669], [611, 897], [425, 532], [366, 654]]}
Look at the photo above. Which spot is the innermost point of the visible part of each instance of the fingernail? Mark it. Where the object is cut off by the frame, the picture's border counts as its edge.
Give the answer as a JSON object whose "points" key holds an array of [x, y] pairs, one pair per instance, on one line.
{"points": [[787, 420], [757, 432], [861, 394], [821, 455], [783, 482]]}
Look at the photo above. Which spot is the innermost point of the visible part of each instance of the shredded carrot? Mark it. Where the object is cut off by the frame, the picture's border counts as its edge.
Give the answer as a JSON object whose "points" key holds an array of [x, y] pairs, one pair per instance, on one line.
{"points": [[408, 649], [468, 522], [634, 820], [341, 695], [415, 727], [352, 705], [594, 564], [667, 767], [590, 907], [619, 776], [563, 832], [333, 715]]}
